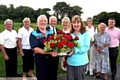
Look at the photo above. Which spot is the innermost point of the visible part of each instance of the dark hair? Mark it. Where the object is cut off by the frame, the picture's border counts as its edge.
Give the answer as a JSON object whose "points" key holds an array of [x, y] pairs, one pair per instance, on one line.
{"points": [[89, 18], [112, 19], [78, 19]]}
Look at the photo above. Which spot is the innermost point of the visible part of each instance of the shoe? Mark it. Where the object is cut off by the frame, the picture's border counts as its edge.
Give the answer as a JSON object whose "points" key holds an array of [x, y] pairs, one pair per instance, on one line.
{"points": [[91, 73], [114, 77]]}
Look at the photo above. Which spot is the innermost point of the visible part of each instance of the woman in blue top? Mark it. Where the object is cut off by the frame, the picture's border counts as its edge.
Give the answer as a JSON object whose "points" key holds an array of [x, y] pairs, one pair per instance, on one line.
{"points": [[79, 58]]}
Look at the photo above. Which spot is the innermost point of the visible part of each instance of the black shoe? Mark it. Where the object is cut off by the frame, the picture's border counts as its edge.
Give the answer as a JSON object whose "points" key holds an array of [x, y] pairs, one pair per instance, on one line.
{"points": [[18, 75], [114, 77]]}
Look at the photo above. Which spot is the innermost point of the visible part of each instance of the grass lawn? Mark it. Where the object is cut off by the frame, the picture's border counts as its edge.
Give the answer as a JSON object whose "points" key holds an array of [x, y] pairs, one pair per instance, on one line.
{"points": [[17, 25]]}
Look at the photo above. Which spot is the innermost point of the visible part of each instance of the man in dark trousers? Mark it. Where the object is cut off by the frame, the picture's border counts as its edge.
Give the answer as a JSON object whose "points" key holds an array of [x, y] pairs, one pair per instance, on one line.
{"points": [[114, 33]]}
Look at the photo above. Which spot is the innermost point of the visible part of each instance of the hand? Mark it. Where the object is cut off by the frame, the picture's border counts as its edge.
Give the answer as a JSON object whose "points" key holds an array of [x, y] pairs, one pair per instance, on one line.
{"points": [[21, 53], [54, 54], [98, 50], [6, 57], [71, 53]]}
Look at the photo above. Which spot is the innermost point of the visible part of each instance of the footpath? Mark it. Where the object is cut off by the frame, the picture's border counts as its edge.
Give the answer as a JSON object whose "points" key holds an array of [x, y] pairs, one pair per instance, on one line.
{"points": [[88, 77]]}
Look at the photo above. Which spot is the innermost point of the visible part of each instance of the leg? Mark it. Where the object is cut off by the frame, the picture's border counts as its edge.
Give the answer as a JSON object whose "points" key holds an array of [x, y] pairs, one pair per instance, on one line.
{"points": [[70, 73], [54, 68]]}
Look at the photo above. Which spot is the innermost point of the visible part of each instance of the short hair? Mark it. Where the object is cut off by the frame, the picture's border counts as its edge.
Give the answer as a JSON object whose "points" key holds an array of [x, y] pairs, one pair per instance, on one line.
{"points": [[26, 18], [112, 19], [78, 19], [66, 19], [38, 18], [8, 20], [103, 24], [90, 18], [52, 17]]}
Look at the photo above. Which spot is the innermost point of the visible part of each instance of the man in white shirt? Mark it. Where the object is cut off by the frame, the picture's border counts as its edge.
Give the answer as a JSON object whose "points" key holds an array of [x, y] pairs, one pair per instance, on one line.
{"points": [[8, 44], [92, 31]]}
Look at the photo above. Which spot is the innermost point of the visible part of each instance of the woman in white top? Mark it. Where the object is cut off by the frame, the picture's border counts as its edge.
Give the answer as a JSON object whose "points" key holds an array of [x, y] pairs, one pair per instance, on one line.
{"points": [[25, 48], [66, 29]]}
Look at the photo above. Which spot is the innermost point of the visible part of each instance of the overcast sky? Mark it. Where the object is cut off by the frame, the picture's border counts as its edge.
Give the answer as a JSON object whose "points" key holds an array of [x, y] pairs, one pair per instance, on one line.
{"points": [[89, 7]]}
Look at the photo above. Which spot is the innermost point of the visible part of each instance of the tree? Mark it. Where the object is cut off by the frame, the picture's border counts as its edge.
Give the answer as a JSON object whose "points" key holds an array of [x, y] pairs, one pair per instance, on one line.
{"points": [[61, 9]]}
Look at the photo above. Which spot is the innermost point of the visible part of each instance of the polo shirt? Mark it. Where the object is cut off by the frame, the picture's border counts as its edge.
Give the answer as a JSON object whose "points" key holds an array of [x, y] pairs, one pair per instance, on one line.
{"points": [[24, 35], [8, 39]]}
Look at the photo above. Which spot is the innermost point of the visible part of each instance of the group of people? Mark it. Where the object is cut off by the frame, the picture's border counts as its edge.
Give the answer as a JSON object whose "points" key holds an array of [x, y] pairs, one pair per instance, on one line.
{"points": [[29, 44], [103, 47]]}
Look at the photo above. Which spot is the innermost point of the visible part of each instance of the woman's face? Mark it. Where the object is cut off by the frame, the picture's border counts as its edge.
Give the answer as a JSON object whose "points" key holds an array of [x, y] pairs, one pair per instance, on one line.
{"points": [[76, 25], [101, 28], [65, 24], [26, 23]]}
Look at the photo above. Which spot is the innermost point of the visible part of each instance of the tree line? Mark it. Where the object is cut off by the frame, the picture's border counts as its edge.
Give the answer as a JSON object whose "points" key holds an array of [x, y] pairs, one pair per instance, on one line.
{"points": [[60, 9]]}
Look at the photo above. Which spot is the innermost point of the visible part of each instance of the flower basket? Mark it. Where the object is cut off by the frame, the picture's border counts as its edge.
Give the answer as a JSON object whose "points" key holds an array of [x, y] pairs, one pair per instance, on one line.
{"points": [[62, 43]]}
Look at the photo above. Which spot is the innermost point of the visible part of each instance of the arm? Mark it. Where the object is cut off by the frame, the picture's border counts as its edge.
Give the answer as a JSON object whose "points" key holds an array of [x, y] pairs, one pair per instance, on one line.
{"points": [[86, 45], [20, 46]]}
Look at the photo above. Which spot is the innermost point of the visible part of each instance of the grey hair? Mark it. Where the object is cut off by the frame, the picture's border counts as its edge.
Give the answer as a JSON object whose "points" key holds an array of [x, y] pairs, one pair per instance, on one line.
{"points": [[41, 16], [26, 18], [8, 20], [52, 17]]}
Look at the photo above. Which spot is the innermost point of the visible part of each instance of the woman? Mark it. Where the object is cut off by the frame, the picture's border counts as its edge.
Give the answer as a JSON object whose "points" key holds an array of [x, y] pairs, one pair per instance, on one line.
{"points": [[66, 29], [102, 41], [79, 59], [25, 48]]}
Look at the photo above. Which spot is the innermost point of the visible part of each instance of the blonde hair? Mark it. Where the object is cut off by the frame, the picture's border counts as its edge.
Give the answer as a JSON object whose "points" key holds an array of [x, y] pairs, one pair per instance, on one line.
{"points": [[66, 19], [26, 19], [103, 24], [8, 20]]}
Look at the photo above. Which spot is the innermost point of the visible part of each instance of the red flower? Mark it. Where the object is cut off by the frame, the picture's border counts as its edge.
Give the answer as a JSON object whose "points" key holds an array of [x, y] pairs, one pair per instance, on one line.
{"points": [[76, 38], [70, 45], [60, 45], [51, 37], [58, 38], [65, 62], [45, 40], [59, 32], [52, 45], [64, 42], [68, 37]]}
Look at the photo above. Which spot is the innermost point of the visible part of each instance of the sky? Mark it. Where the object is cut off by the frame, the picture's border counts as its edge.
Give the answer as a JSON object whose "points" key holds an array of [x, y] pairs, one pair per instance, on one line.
{"points": [[89, 7]]}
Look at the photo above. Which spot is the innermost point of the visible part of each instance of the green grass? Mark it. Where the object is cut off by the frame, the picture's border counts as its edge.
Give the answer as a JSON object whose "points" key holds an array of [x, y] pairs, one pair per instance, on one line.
{"points": [[17, 25]]}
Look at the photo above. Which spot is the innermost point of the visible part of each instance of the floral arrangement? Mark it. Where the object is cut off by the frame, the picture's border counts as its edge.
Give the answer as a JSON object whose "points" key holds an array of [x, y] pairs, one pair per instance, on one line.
{"points": [[62, 42]]}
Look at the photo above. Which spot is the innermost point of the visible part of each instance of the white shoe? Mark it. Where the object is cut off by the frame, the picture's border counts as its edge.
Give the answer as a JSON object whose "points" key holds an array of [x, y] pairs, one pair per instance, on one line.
{"points": [[86, 72], [91, 73]]}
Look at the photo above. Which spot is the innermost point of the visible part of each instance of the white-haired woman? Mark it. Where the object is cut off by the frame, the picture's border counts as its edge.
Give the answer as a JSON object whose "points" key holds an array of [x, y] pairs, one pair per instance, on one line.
{"points": [[25, 48], [102, 41]]}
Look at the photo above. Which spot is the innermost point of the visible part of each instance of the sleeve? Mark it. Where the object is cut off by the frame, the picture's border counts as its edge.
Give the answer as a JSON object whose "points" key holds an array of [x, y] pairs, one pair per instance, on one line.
{"points": [[2, 39], [108, 39], [86, 46], [33, 41], [19, 35]]}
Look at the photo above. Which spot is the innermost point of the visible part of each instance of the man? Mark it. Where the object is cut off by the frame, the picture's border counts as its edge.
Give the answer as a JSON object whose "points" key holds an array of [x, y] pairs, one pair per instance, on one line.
{"points": [[45, 64], [8, 44], [114, 33], [92, 31], [52, 27]]}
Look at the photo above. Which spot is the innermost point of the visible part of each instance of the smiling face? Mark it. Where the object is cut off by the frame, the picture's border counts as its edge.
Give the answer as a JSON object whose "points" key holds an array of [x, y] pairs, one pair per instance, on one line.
{"points": [[26, 23], [9, 25], [76, 25], [53, 21], [42, 22]]}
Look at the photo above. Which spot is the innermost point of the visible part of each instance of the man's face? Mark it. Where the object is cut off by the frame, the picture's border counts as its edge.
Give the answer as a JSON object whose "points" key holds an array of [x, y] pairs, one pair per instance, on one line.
{"points": [[9, 25], [42, 23], [111, 23], [53, 22]]}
